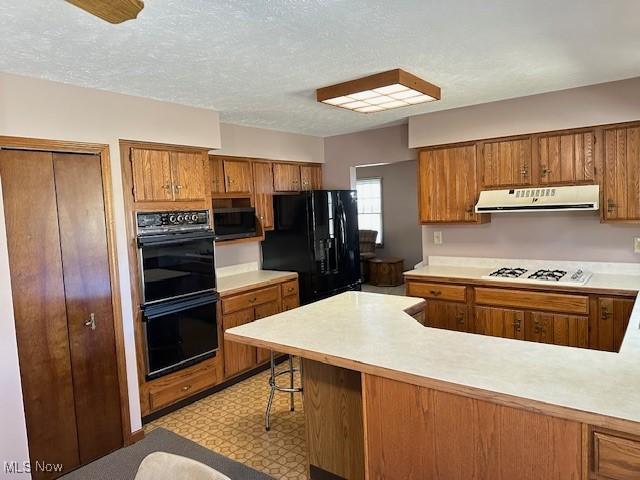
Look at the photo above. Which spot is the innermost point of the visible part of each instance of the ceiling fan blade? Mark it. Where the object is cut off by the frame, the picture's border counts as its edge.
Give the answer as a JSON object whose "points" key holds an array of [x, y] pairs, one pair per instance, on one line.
{"points": [[113, 11]]}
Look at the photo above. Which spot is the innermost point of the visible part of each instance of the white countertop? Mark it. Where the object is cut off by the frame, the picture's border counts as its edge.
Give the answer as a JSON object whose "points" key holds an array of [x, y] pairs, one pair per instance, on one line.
{"points": [[371, 333], [229, 284]]}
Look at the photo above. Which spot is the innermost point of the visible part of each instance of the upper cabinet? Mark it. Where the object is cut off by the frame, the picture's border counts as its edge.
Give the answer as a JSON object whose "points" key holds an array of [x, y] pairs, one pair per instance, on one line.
{"points": [[622, 174], [505, 163], [311, 177], [286, 177], [448, 185], [230, 175], [566, 158], [263, 190], [164, 176]]}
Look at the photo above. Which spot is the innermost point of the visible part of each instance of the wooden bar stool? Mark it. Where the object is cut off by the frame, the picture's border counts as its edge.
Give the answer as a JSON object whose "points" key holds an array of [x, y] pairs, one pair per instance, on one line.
{"points": [[291, 389]]}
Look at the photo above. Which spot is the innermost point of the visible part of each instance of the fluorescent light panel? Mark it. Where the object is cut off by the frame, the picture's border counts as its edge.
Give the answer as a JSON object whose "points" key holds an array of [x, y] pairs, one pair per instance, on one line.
{"points": [[380, 96]]}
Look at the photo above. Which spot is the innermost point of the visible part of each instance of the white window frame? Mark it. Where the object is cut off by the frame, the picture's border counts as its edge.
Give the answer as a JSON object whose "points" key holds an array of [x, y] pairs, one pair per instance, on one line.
{"points": [[381, 233]]}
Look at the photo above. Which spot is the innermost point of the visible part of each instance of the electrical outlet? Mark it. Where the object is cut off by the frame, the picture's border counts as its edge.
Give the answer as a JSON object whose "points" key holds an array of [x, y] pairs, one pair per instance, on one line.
{"points": [[437, 238], [636, 244]]}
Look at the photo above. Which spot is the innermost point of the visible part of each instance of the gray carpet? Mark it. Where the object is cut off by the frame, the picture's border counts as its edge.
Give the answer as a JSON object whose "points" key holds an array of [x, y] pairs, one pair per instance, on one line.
{"points": [[123, 464]]}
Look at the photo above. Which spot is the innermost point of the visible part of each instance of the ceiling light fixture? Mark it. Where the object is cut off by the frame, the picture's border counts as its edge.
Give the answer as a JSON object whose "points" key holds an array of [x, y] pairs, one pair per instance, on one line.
{"points": [[379, 92], [112, 11]]}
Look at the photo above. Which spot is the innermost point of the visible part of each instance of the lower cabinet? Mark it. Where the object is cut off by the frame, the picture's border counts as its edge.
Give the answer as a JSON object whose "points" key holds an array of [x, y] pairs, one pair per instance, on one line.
{"points": [[263, 311], [499, 322], [447, 315], [567, 330], [609, 320], [237, 356]]}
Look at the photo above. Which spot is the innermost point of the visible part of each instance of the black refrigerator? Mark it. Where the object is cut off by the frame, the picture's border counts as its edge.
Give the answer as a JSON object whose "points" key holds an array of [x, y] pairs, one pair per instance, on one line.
{"points": [[316, 234]]}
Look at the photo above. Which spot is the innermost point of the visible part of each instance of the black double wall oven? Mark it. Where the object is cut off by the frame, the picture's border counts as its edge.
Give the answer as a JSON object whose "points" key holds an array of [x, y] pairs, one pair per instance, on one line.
{"points": [[178, 288]]}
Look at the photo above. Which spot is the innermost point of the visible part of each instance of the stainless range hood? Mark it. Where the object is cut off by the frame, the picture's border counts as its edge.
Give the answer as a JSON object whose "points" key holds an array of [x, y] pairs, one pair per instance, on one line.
{"points": [[540, 199]]}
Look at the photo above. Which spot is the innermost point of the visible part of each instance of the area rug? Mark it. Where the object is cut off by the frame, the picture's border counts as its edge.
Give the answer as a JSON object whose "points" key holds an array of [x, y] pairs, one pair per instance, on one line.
{"points": [[123, 464]]}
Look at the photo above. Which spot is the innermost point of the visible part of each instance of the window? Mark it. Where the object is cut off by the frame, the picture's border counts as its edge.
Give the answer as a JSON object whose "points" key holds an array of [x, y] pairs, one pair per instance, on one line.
{"points": [[370, 205]]}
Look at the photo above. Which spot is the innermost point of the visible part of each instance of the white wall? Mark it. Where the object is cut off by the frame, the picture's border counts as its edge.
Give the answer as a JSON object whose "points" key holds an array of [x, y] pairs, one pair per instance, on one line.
{"points": [[600, 104], [240, 141], [43, 109]]}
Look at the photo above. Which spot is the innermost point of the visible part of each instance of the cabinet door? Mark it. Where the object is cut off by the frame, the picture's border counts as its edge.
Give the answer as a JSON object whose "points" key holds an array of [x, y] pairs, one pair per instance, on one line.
{"points": [[311, 177], [286, 177], [499, 322], [216, 174], [289, 303], [447, 315], [609, 322], [566, 159], [238, 357], [237, 176], [571, 330], [263, 311], [263, 187], [506, 163], [188, 175], [151, 175], [538, 327], [448, 185], [622, 174]]}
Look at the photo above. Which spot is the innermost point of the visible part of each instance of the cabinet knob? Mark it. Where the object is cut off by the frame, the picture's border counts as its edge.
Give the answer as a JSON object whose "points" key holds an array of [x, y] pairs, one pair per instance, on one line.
{"points": [[167, 186], [605, 314], [524, 171], [252, 300], [517, 325], [545, 171], [436, 293], [185, 388], [460, 318], [611, 206]]}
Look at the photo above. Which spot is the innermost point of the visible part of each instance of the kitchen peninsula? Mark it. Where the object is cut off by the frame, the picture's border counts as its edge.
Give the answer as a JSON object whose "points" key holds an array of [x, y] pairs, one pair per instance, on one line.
{"points": [[386, 397]]}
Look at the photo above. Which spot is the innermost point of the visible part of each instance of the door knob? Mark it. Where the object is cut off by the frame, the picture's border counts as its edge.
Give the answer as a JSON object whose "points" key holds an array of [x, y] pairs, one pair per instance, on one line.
{"points": [[91, 322]]}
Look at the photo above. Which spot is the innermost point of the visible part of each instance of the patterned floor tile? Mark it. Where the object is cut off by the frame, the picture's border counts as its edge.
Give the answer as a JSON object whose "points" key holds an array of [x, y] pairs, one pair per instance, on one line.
{"points": [[231, 422]]}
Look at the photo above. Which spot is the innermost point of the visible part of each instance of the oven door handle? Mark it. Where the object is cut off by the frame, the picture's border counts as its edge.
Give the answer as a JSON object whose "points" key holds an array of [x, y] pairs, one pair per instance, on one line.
{"points": [[173, 239]]}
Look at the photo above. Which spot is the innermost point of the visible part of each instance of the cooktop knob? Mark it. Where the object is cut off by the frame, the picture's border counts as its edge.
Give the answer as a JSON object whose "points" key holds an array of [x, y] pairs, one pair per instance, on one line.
{"points": [[172, 218], [180, 218]]}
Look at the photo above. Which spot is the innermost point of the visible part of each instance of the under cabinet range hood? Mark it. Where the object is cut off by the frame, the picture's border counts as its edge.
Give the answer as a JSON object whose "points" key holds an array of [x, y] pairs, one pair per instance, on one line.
{"points": [[539, 199]]}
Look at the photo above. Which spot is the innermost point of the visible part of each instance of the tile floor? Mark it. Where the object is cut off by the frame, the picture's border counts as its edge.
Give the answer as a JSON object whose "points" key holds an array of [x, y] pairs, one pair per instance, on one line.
{"points": [[399, 290], [231, 423]]}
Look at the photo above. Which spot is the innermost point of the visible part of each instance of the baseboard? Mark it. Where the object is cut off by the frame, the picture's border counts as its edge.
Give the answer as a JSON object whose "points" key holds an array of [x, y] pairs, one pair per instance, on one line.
{"points": [[134, 437]]}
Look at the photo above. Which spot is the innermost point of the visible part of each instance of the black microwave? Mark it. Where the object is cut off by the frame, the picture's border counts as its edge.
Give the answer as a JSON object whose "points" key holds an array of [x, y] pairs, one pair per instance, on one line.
{"points": [[230, 223]]}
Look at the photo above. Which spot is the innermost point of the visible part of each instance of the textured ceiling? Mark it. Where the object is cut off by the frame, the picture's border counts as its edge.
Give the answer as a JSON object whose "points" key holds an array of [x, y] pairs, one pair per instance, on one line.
{"points": [[258, 62]]}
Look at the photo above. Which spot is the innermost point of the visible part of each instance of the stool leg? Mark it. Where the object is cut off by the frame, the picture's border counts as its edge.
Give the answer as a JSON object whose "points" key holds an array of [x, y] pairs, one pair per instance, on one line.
{"points": [[272, 384], [291, 400]]}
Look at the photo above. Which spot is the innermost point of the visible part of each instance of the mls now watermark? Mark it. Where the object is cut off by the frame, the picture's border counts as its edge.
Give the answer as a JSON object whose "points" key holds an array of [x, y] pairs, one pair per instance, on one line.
{"points": [[31, 467]]}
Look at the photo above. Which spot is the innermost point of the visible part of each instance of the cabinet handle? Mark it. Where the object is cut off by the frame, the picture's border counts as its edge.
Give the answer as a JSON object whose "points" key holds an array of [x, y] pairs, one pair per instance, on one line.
{"points": [[436, 293], [460, 318], [252, 300], [545, 171], [91, 322], [611, 206], [524, 171], [167, 186], [605, 314], [517, 325], [469, 210], [185, 388]]}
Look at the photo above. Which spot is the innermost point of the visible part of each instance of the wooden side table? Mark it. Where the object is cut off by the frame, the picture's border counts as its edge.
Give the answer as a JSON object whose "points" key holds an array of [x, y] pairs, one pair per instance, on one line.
{"points": [[386, 272]]}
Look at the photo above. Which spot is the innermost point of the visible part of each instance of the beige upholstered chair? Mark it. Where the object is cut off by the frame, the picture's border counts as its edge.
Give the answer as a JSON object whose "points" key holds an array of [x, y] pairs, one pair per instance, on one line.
{"points": [[367, 251], [166, 466]]}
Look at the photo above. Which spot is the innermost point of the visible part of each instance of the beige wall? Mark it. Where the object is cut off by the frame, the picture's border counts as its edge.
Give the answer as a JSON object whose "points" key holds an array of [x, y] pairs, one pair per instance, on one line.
{"points": [[343, 152], [402, 234], [577, 107]]}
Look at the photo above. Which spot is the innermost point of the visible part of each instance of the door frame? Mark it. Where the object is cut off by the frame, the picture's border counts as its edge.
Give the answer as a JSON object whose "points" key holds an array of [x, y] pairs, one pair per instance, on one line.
{"points": [[102, 150]]}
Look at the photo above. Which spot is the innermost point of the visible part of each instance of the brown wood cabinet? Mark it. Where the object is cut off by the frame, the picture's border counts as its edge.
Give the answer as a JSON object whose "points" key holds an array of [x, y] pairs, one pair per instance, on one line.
{"points": [[567, 158], [615, 457], [286, 177], [622, 174], [448, 186], [238, 177], [263, 191], [237, 356], [311, 177], [264, 311], [161, 176], [216, 174], [570, 319], [506, 163]]}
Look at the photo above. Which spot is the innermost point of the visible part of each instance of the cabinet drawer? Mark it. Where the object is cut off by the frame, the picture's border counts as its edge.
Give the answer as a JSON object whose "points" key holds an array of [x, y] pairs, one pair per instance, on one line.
{"points": [[289, 303], [162, 396], [550, 302], [251, 299], [454, 293], [615, 458], [290, 288]]}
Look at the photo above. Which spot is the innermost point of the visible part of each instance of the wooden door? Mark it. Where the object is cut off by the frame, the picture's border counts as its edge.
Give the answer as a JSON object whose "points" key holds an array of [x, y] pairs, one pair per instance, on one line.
{"points": [[263, 187], [188, 175], [499, 322], [87, 282], [610, 320], [263, 311], [448, 185], [506, 163], [151, 175], [238, 357], [311, 177], [622, 174], [286, 177], [237, 176], [538, 327], [447, 315], [566, 159], [35, 261], [216, 174]]}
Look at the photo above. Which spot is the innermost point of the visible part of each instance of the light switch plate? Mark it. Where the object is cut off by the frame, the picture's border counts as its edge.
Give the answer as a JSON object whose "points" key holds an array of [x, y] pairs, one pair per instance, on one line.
{"points": [[636, 244], [437, 238]]}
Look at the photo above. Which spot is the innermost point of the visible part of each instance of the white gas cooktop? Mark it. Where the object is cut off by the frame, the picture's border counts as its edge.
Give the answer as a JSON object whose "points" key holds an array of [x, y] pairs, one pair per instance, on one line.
{"points": [[540, 276]]}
